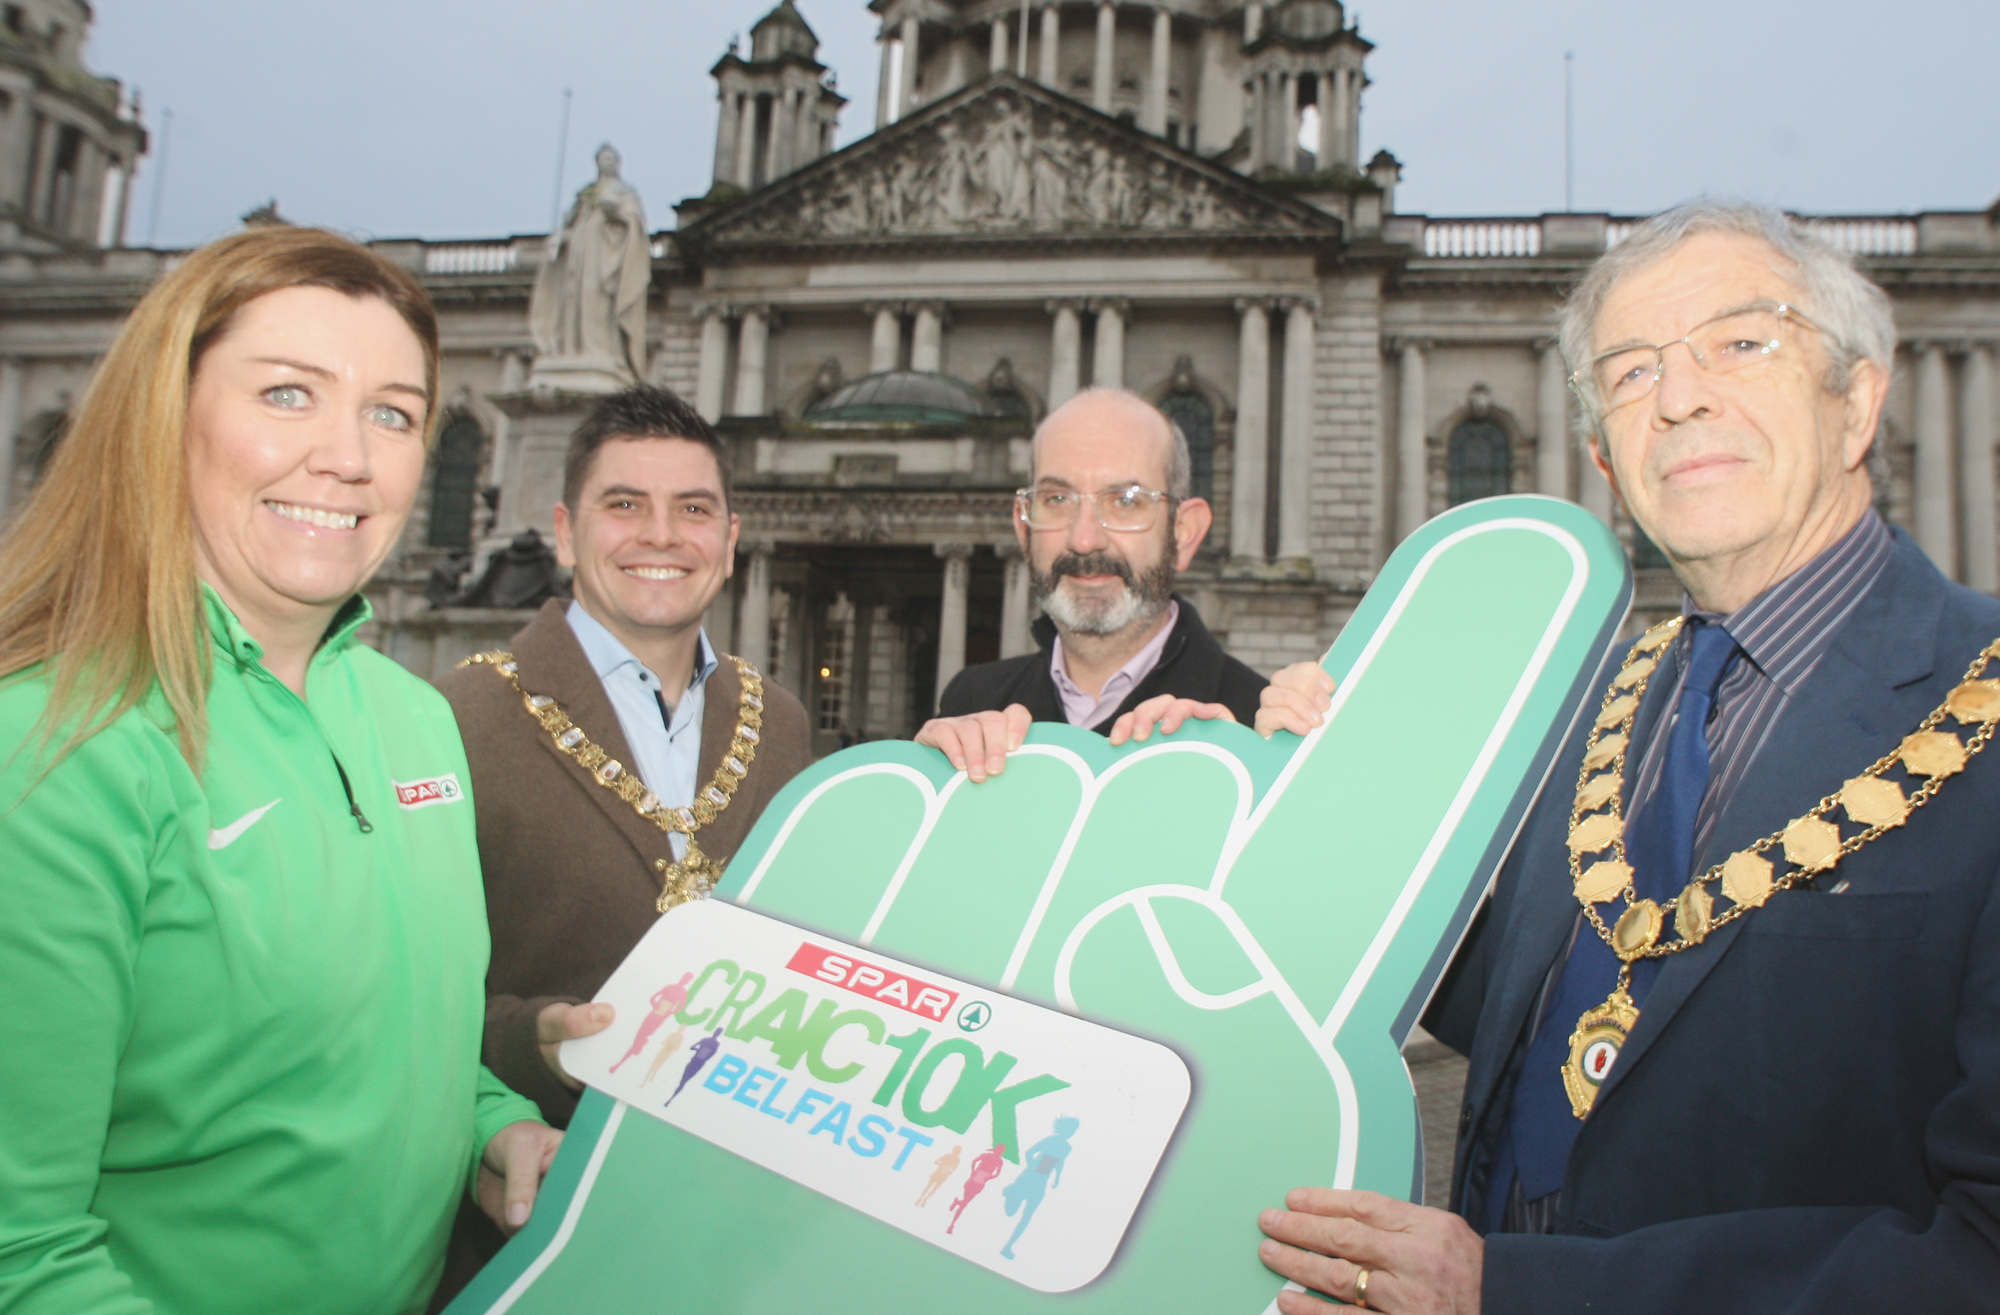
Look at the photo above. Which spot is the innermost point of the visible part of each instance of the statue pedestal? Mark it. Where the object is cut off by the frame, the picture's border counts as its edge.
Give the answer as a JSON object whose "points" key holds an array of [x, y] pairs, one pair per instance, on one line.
{"points": [[590, 375], [538, 440]]}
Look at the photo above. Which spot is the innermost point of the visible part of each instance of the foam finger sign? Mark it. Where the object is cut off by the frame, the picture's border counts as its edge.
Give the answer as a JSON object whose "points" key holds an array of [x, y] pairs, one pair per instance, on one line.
{"points": [[1265, 919]]}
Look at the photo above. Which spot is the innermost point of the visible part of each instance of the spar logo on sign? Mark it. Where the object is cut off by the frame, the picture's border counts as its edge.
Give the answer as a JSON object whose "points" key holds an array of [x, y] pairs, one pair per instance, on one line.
{"points": [[434, 790], [889, 986]]}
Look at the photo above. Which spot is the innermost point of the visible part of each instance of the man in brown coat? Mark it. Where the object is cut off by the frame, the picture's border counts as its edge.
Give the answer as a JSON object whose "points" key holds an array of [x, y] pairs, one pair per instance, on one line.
{"points": [[571, 837]]}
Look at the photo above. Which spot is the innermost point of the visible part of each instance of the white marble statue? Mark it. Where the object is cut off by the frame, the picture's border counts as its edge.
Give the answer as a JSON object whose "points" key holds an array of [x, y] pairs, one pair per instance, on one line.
{"points": [[588, 310]]}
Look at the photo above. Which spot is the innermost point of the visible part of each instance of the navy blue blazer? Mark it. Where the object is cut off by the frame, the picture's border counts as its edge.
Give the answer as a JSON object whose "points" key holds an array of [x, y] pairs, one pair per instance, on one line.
{"points": [[1807, 1116]]}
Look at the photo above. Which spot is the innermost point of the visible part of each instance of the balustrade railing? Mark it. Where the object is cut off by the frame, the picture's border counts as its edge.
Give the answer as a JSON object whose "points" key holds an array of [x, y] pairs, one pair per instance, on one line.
{"points": [[1482, 237], [469, 258]]}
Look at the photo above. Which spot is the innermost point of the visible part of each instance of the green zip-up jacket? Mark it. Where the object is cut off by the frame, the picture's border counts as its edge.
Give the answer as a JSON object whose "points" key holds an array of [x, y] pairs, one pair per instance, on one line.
{"points": [[241, 1067]]}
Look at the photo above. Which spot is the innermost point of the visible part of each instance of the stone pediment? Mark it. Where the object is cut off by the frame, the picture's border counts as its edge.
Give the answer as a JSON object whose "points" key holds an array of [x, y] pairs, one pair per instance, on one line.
{"points": [[1006, 159]]}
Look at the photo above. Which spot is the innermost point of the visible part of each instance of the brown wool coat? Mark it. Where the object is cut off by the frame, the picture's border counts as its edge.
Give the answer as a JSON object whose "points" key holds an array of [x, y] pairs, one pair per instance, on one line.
{"points": [[570, 881]]}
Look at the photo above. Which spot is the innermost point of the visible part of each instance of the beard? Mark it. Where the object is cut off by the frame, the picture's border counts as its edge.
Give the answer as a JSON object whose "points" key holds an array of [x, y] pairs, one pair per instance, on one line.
{"points": [[1144, 596]]}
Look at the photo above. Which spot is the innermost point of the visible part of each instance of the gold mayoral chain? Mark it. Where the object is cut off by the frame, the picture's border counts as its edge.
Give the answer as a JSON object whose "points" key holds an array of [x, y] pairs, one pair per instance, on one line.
{"points": [[694, 876], [1811, 844]]}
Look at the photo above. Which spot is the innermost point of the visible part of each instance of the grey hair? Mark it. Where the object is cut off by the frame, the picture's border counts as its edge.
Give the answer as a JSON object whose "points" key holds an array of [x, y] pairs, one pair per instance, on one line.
{"points": [[1852, 313], [1180, 463]]}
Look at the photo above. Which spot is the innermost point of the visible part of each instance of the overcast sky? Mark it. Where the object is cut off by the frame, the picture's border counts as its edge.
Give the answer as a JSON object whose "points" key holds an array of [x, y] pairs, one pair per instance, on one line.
{"points": [[439, 118]]}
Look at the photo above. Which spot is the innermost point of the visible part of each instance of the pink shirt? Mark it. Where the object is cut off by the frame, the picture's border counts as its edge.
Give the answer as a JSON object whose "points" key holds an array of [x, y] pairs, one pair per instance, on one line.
{"points": [[1087, 710]]}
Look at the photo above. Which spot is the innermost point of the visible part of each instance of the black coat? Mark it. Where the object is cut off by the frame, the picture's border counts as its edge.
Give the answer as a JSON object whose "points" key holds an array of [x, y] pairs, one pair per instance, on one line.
{"points": [[1807, 1116], [1191, 666]]}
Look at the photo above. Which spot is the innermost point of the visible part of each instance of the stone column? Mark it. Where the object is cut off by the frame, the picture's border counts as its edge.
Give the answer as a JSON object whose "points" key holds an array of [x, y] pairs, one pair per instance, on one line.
{"points": [[17, 143], [1554, 447], [1936, 525], [885, 344], [86, 211], [1155, 118], [1051, 42], [1977, 436], [1260, 119], [927, 337], [1065, 353], [1412, 476], [11, 377], [805, 133], [774, 139], [129, 172], [1350, 109], [1288, 100], [1250, 473], [951, 615], [751, 341], [1016, 637], [746, 143], [1253, 21], [728, 111], [884, 91], [1295, 433], [996, 54], [1332, 115], [1100, 65], [907, 100], [45, 168], [753, 633], [1108, 360], [513, 378], [714, 360]]}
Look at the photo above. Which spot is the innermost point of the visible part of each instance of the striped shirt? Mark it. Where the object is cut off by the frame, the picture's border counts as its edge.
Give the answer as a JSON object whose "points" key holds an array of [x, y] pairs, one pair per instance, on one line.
{"points": [[1783, 632]]}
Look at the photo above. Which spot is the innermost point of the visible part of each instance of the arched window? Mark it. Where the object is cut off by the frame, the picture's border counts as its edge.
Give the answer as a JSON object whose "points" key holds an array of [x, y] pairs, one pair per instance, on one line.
{"points": [[1479, 461], [1191, 411], [455, 488]]}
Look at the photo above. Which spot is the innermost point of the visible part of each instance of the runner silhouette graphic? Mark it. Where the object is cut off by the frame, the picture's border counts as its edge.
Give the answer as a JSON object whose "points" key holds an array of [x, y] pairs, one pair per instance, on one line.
{"points": [[698, 1056], [666, 1001], [985, 1168], [665, 1052], [946, 1164], [1041, 1169]]}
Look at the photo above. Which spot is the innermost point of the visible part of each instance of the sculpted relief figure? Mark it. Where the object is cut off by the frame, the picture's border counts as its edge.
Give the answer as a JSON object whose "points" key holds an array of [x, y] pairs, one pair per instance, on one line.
{"points": [[589, 303], [1016, 167]]}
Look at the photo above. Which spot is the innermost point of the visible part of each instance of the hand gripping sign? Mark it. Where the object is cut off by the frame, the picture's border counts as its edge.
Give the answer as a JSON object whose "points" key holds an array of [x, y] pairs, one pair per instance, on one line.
{"points": [[1045, 956]]}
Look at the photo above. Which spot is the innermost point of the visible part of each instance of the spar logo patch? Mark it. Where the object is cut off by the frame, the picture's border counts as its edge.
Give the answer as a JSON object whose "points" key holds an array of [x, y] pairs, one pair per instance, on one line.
{"points": [[435, 790], [890, 986]]}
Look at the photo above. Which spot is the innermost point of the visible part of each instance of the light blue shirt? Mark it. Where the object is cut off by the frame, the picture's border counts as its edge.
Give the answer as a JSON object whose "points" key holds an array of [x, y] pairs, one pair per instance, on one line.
{"points": [[666, 744]]}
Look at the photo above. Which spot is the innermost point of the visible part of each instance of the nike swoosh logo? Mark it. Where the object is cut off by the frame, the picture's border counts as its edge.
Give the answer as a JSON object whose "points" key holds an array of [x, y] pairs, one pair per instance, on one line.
{"points": [[224, 837]]}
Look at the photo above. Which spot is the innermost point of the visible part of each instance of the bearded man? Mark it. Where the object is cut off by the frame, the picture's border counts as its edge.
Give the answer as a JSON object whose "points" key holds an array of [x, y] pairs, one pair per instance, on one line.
{"points": [[1107, 524]]}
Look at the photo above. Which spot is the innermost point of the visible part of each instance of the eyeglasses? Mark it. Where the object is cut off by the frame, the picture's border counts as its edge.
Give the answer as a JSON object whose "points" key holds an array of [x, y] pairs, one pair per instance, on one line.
{"points": [[1125, 511], [1733, 341]]}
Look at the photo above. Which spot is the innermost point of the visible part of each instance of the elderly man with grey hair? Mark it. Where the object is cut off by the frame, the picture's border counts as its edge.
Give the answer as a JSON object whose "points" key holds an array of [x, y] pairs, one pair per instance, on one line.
{"points": [[1733, 1009], [1107, 523]]}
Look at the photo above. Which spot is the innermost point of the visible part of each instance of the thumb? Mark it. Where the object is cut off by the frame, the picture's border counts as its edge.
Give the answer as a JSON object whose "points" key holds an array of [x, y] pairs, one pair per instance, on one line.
{"points": [[1019, 719], [566, 1022], [522, 1156]]}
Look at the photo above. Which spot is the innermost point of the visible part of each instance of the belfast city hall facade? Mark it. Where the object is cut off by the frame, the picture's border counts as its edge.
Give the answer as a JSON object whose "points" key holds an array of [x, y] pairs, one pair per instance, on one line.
{"points": [[1165, 195]]}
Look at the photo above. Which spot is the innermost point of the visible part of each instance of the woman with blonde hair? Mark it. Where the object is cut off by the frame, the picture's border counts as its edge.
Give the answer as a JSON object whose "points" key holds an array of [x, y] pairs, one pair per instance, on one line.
{"points": [[242, 936]]}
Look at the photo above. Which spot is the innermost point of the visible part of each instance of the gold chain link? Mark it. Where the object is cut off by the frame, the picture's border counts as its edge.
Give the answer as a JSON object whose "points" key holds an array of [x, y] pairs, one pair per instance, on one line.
{"points": [[1973, 701], [696, 874]]}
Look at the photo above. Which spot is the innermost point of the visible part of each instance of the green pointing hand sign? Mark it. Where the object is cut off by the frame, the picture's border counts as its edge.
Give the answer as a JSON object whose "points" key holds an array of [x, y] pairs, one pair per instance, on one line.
{"points": [[1255, 924]]}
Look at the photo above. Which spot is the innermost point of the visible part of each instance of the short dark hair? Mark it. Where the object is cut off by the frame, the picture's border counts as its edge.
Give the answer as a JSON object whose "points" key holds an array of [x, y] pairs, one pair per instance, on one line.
{"points": [[642, 412]]}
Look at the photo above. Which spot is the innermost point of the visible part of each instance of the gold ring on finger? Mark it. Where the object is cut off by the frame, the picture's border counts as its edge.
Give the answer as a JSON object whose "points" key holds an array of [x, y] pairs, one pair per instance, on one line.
{"points": [[1361, 1289]]}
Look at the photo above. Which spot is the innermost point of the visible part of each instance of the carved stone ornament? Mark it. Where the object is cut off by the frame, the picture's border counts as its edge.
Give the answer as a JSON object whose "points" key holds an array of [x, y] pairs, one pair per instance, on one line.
{"points": [[1000, 163]]}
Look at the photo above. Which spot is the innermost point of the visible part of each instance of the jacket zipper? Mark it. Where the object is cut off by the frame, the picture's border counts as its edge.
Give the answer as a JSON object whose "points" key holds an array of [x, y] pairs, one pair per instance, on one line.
{"points": [[360, 818]]}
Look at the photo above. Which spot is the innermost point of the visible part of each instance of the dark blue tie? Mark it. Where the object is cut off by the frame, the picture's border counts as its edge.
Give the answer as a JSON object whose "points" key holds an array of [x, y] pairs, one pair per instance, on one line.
{"points": [[1659, 844]]}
